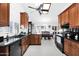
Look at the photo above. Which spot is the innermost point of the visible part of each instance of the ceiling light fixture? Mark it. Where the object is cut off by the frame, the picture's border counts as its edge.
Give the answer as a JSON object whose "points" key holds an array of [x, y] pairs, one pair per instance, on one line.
{"points": [[45, 8]]}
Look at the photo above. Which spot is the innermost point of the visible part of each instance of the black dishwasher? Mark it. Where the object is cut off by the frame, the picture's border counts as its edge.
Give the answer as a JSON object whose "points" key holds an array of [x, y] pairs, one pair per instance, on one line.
{"points": [[15, 49]]}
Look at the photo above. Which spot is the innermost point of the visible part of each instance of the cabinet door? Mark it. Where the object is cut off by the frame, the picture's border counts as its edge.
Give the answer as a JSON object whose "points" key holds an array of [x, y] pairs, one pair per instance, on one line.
{"points": [[35, 39], [71, 47], [24, 19], [75, 49], [73, 15], [39, 39], [29, 38], [61, 19], [23, 45], [27, 18], [4, 51], [77, 15], [4, 14], [66, 19], [67, 47], [27, 42], [32, 39]]}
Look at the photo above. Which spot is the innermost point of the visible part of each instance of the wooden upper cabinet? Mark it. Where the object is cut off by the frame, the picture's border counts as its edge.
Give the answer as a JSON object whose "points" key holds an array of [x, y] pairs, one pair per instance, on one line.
{"points": [[70, 15], [27, 18], [59, 21], [63, 18], [4, 14], [24, 19], [77, 15], [73, 15], [66, 18]]}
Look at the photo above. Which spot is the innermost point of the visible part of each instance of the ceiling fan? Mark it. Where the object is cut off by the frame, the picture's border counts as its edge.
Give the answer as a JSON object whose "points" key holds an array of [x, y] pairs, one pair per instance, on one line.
{"points": [[42, 8]]}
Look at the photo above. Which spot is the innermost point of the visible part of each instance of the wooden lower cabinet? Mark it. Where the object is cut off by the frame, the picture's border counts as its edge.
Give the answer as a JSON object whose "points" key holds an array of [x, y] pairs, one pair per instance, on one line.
{"points": [[35, 39], [75, 50], [24, 44], [71, 47], [67, 47], [4, 51], [27, 42]]}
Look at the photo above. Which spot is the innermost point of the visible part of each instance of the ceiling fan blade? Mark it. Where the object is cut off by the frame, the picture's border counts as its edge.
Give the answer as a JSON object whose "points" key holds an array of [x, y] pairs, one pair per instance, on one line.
{"points": [[38, 9], [39, 12], [32, 7]]}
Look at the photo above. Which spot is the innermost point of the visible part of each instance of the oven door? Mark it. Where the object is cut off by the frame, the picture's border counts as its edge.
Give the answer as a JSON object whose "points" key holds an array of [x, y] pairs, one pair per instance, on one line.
{"points": [[59, 41]]}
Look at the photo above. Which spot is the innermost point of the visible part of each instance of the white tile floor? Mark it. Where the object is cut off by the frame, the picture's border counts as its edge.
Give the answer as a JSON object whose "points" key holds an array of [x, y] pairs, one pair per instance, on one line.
{"points": [[47, 48]]}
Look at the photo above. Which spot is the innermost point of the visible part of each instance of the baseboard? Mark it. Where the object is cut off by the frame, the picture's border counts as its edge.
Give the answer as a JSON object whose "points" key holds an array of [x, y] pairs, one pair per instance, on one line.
{"points": [[34, 44]]}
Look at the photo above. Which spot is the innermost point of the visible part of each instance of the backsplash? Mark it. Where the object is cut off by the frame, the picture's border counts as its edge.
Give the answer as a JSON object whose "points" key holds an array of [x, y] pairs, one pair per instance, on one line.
{"points": [[24, 30], [72, 33], [14, 27], [4, 29]]}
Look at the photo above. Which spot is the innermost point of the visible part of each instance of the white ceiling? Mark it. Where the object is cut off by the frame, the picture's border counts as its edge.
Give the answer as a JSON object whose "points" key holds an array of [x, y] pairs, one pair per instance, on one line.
{"points": [[50, 18]]}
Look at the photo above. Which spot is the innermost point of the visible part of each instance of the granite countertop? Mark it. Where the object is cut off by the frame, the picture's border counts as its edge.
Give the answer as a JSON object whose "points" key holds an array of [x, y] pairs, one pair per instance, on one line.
{"points": [[11, 40]]}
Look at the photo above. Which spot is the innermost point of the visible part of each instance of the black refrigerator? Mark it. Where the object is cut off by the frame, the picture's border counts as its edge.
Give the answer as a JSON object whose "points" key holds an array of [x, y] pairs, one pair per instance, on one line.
{"points": [[29, 28]]}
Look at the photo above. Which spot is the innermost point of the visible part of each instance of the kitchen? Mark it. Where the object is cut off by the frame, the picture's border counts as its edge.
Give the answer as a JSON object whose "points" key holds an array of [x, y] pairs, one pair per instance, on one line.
{"points": [[24, 24]]}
